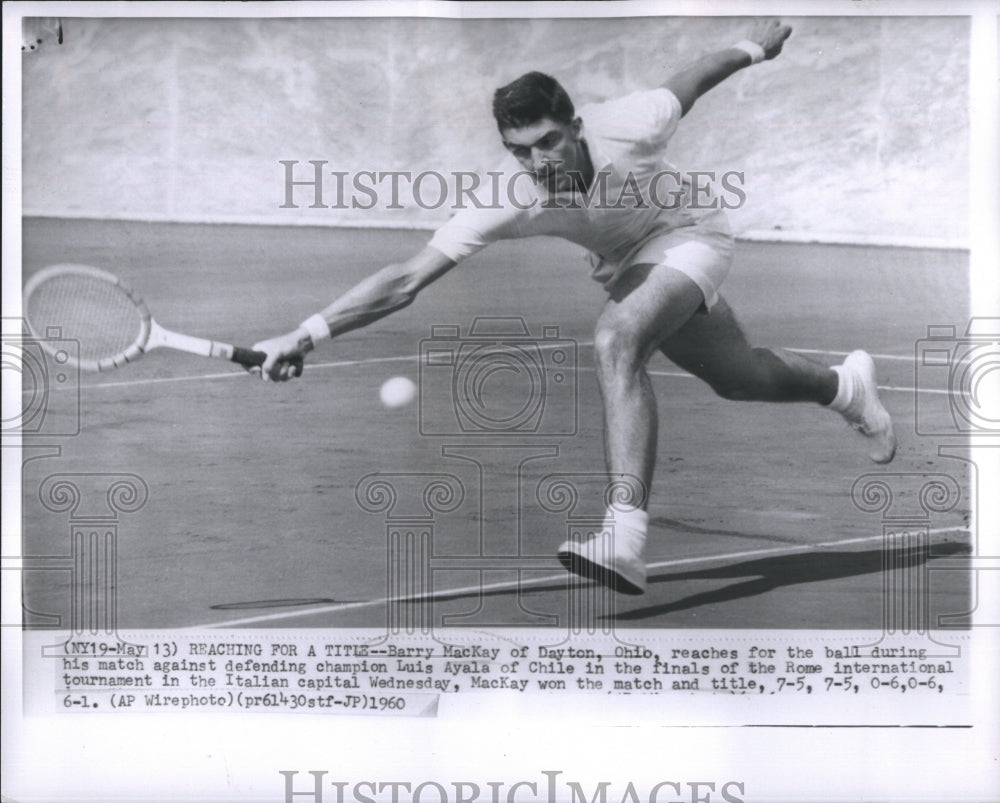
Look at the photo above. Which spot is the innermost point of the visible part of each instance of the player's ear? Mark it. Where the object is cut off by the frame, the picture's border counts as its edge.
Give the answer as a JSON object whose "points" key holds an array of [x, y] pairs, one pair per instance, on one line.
{"points": [[576, 128]]}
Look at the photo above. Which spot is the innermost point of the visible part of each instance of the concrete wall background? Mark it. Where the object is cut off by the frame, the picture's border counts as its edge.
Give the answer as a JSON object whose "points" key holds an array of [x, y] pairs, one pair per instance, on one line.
{"points": [[859, 129]]}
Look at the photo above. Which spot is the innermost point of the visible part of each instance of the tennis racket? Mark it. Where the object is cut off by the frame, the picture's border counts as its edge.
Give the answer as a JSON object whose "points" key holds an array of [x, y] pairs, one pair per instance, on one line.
{"points": [[109, 320]]}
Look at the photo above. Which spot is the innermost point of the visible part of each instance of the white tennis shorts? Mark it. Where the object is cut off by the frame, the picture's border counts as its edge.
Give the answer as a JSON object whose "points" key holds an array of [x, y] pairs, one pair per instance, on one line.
{"points": [[703, 253]]}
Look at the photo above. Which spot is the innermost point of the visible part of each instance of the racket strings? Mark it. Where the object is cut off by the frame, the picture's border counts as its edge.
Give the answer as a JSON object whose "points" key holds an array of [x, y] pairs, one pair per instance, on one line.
{"points": [[98, 314]]}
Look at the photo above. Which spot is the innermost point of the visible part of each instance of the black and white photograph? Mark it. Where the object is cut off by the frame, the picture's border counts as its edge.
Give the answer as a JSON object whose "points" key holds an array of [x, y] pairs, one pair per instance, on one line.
{"points": [[391, 387]]}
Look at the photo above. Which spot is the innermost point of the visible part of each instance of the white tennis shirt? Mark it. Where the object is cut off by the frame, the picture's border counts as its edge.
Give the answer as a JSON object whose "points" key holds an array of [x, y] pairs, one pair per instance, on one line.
{"points": [[636, 193]]}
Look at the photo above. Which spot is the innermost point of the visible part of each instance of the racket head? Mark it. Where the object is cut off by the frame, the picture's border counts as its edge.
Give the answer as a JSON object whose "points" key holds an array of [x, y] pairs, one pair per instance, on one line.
{"points": [[93, 307]]}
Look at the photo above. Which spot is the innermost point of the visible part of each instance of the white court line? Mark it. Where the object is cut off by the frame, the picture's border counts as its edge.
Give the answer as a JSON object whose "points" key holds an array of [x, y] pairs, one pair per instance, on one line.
{"points": [[346, 606], [413, 357], [232, 374], [915, 390], [685, 375], [902, 358]]}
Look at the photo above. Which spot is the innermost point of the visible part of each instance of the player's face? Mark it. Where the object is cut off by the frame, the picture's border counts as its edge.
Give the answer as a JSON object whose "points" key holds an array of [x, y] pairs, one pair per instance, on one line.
{"points": [[552, 152]]}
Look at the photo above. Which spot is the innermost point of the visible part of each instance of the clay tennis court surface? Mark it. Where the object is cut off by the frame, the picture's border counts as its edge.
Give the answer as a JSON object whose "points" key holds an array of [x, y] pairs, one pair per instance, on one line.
{"points": [[253, 516]]}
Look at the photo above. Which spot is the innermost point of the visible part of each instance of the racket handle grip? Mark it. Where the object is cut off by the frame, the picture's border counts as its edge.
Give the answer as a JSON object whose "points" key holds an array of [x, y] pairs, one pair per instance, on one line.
{"points": [[248, 357]]}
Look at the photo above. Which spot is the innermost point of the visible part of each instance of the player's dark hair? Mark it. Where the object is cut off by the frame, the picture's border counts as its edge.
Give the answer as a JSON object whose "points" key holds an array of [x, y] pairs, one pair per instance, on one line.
{"points": [[529, 99]]}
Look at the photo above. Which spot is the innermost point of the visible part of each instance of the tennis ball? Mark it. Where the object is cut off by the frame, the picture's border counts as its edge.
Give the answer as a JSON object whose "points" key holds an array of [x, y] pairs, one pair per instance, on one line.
{"points": [[397, 392]]}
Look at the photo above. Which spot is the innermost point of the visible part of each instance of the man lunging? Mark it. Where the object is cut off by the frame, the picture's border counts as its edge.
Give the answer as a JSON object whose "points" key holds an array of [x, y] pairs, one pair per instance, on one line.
{"points": [[599, 178]]}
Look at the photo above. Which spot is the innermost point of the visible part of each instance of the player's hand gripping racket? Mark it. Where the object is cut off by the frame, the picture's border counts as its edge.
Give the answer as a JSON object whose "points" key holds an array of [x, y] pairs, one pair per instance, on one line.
{"points": [[111, 323]]}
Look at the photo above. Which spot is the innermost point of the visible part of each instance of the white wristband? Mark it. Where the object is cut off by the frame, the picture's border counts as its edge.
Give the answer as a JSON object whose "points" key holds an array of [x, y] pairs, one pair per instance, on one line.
{"points": [[317, 327], [752, 49]]}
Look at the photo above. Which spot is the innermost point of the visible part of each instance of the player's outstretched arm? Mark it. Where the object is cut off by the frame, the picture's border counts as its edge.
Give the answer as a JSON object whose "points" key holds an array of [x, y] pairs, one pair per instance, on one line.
{"points": [[384, 292], [762, 43]]}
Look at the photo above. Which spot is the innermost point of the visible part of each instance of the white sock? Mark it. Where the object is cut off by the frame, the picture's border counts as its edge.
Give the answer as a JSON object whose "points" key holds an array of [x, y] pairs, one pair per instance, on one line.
{"points": [[845, 390], [632, 518]]}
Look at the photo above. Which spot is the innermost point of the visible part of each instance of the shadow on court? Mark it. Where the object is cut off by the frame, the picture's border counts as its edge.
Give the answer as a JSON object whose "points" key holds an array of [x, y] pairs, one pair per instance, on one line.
{"points": [[766, 575], [776, 572]]}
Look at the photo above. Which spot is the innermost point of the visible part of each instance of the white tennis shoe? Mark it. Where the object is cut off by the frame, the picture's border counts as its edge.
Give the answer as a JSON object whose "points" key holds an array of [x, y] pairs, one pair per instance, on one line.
{"points": [[865, 412], [613, 558]]}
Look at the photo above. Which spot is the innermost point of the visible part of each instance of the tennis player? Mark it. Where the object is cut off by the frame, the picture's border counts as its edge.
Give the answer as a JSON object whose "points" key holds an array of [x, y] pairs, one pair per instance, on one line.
{"points": [[590, 177]]}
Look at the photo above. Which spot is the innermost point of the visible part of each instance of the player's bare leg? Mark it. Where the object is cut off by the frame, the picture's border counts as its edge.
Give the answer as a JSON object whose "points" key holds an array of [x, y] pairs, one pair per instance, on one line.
{"points": [[647, 305], [714, 348]]}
